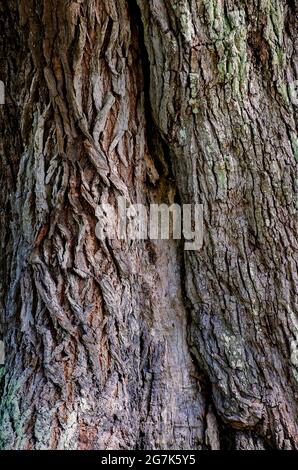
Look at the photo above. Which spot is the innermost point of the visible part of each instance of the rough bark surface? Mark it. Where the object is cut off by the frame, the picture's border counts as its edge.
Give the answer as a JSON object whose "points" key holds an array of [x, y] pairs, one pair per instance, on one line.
{"points": [[115, 345]]}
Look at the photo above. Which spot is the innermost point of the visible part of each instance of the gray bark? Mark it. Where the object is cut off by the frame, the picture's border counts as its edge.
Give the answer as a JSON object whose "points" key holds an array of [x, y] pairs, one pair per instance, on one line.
{"points": [[143, 345]]}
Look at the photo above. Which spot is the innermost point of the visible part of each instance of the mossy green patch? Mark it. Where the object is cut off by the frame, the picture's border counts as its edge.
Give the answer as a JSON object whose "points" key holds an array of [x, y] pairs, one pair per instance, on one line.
{"points": [[229, 33]]}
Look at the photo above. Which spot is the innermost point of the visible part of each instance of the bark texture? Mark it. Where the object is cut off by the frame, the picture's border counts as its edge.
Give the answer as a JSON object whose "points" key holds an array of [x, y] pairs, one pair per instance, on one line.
{"points": [[115, 345]]}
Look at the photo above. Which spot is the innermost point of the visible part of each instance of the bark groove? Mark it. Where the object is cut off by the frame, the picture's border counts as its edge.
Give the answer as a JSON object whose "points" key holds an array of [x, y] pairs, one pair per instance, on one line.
{"points": [[115, 345]]}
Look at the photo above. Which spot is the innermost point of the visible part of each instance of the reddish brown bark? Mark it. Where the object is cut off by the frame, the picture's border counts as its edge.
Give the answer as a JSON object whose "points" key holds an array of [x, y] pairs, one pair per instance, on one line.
{"points": [[113, 345]]}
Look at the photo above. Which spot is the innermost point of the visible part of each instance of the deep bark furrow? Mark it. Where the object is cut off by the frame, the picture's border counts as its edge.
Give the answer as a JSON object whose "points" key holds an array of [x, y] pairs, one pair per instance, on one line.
{"points": [[231, 139], [144, 345]]}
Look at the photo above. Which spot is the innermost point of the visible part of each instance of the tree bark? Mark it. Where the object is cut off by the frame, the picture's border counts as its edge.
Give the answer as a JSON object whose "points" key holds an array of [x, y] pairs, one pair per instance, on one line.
{"points": [[143, 345]]}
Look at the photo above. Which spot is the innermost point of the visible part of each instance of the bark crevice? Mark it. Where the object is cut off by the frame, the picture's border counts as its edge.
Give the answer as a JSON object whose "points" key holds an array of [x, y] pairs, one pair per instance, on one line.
{"points": [[143, 345]]}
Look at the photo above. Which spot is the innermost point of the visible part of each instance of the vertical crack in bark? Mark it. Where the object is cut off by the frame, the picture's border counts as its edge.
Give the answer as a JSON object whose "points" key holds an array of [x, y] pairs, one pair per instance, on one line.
{"points": [[96, 332], [229, 157]]}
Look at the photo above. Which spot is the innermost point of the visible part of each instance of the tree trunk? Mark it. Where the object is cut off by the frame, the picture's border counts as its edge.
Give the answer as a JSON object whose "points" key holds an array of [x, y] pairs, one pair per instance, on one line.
{"points": [[143, 345]]}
